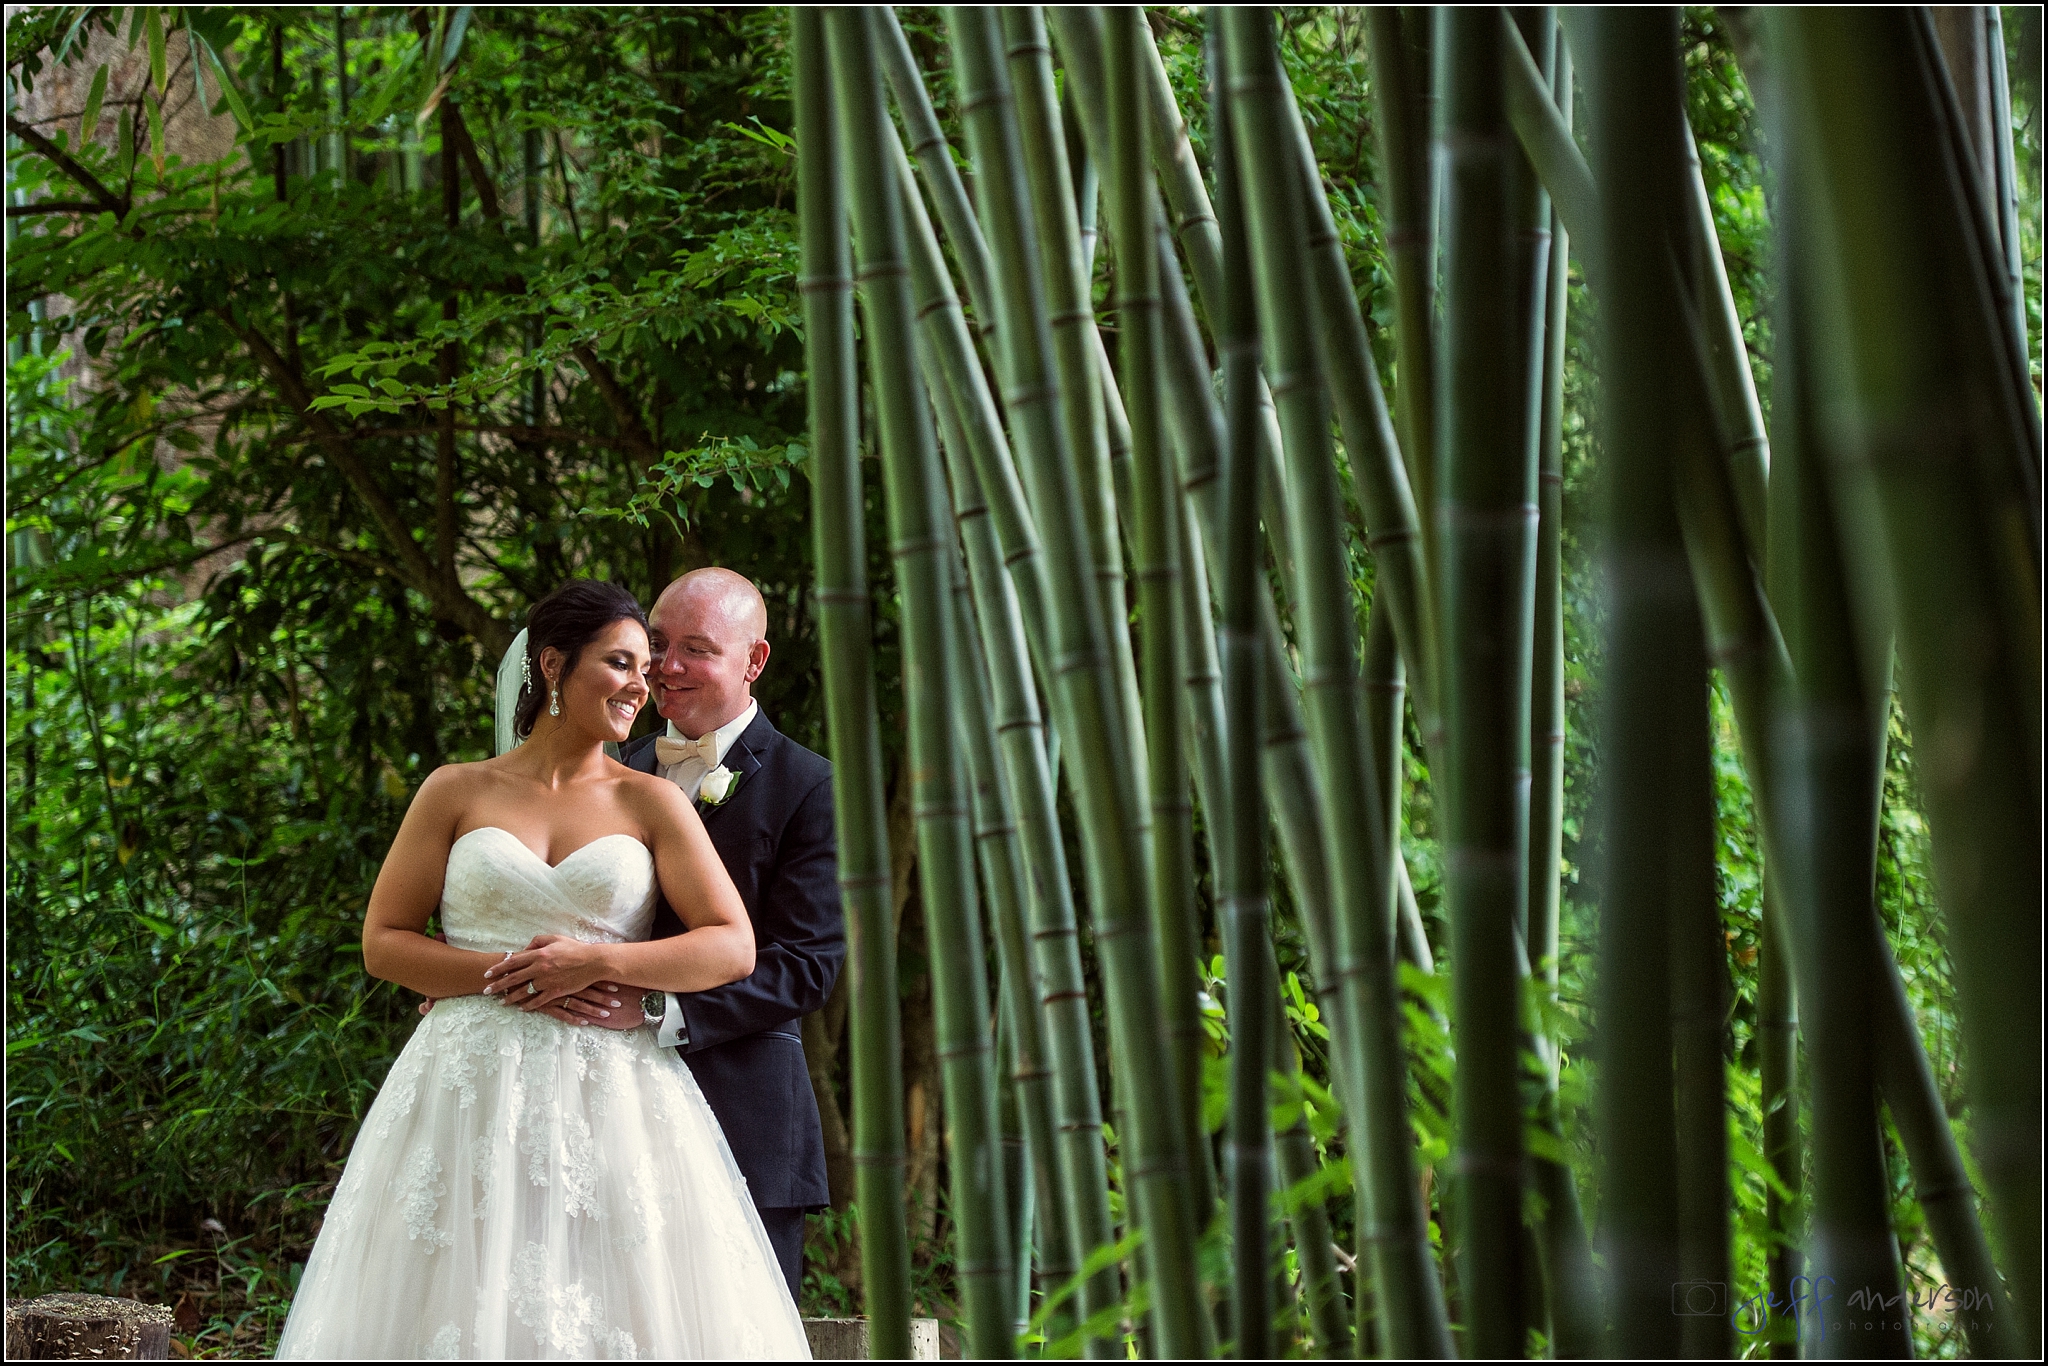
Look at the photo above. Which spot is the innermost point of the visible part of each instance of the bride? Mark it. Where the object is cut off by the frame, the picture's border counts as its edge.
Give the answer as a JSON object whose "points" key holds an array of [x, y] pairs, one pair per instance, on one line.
{"points": [[523, 1187]]}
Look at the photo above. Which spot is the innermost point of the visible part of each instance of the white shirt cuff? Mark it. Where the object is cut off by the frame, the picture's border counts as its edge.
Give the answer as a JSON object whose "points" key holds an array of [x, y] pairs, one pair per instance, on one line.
{"points": [[671, 1031]]}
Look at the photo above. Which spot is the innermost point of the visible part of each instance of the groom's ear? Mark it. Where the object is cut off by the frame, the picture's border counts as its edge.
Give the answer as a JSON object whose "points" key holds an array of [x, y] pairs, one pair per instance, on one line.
{"points": [[757, 659]]}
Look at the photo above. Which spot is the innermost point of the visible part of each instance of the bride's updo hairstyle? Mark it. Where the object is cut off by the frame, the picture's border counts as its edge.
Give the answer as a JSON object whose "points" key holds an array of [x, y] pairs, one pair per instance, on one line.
{"points": [[568, 619]]}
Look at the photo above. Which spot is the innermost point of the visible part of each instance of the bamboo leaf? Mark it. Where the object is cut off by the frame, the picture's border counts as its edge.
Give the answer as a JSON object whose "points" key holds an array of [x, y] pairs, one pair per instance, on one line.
{"points": [[451, 46], [156, 135], [71, 34], [124, 147], [768, 137], [228, 89], [89, 123], [198, 67], [153, 29], [433, 100], [387, 93], [433, 78]]}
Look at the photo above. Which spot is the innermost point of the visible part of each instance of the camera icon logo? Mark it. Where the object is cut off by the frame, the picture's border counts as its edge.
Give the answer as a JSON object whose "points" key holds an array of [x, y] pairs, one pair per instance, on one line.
{"points": [[1699, 1299]]}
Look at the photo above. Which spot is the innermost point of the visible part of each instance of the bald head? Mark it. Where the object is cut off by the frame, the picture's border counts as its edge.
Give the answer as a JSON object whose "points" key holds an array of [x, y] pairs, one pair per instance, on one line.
{"points": [[719, 593], [709, 633]]}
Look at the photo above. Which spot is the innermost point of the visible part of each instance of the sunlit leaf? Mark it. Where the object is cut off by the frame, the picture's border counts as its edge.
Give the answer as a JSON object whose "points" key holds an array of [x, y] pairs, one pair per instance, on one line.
{"points": [[89, 121], [153, 29], [156, 134]]}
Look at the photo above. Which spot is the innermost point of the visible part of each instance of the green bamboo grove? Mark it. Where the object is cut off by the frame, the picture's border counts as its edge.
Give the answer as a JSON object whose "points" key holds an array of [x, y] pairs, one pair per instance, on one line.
{"points": [[1199, 577]]}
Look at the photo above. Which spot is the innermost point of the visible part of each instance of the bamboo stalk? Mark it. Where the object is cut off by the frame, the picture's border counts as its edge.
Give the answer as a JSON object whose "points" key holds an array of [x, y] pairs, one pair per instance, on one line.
{"points": [[844, 634], [1906, 1080], [1019, 1192], [1087, 182], [1083, 105], [1742, 418], [1086, 694], [2007, 190], [1290, 776], [1379, 476], [1941, 1184], [1546, 680], [1387, 504], [1083, 95], [2015, 476], [1529, 205], [1828, 772], [1753, 656], [1928, 522], [1374, 1070], [1546, 139], [1385, 683], [1314, 1250], [1292, 787], [1156, 521], [1405, 161], [935, 156], [920, 549], [1028, 1098], [1071, 314], [1699, 1009], [1486, 461], [1777, 1025], [1747, 645], [1571, 1288], [1194, 227], [1176, 937], [1634, 90], [1242, 902], [1827, 768], [1007, 570]]}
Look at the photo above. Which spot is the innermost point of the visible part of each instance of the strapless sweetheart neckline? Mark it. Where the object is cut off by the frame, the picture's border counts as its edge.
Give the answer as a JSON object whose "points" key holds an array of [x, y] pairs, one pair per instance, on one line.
{"points": [[525, 1189], [551, 867]]}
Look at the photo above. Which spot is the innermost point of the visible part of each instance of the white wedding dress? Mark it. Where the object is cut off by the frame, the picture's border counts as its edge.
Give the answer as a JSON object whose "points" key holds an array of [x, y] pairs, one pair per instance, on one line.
{"points": [[523, 1188]]}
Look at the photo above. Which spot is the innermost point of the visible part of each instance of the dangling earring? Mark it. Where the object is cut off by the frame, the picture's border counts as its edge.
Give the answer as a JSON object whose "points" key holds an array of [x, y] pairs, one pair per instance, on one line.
{"points": [[554, 701]]}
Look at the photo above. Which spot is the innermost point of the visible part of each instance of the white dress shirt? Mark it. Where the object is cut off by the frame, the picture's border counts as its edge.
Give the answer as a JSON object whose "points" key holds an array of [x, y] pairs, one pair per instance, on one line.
{"points": [[688, 774]]}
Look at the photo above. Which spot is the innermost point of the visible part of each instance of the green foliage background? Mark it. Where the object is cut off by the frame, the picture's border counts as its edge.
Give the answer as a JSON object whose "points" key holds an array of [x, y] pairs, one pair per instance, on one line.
{"points": [[223, 681]]}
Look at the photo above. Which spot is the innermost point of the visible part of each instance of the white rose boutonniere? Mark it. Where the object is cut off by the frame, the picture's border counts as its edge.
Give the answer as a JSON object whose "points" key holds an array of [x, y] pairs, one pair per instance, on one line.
{"points": [[718, 786]]}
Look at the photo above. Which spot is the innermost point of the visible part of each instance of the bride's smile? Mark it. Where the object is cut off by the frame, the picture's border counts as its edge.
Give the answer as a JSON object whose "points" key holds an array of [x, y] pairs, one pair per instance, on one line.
{"points": [[600, 689], [523, 1187]]}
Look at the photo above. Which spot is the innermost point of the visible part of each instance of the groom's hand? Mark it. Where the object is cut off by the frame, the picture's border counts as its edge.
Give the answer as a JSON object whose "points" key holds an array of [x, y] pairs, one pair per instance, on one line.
{"points": [[607, 1005]]}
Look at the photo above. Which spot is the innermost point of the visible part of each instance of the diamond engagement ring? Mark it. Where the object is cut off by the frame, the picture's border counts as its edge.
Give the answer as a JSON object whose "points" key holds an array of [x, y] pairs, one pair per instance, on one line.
{"points": [[532, 990]]}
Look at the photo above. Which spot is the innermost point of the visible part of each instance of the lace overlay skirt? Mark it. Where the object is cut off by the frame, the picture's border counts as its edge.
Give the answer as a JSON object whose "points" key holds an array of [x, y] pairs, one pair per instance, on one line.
{"points": [[524, 1189]]}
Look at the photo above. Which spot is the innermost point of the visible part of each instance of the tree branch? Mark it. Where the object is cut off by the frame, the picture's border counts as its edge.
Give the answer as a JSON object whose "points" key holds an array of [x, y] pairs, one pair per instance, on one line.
{"points": [[90, 183], [514, 430], [54, 206], [443, 590], [465, 145], [633, 431], [444, 440]]}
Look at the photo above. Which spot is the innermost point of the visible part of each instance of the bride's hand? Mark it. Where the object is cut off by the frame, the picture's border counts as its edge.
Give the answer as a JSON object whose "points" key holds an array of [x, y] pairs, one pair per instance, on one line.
{"points": [[548, 969]]}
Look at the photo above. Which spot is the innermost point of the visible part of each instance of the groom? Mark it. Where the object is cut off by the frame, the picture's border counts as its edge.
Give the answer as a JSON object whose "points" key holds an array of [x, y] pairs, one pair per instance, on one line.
{"points": [[766, 802]]}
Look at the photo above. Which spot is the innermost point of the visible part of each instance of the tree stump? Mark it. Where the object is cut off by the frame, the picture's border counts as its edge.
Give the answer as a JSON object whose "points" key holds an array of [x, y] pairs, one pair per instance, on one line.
{"points": [[847, 1339], [86, 1327]]}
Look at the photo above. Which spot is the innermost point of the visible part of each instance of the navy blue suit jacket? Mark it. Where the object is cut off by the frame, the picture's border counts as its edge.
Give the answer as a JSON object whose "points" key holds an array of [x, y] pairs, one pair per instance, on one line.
{"points": [[775, 836]]}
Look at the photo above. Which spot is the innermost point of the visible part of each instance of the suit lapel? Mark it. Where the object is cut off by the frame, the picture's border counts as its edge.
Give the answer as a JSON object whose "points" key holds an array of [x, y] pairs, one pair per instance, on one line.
{"points": [[744, 759], [641, 757]]}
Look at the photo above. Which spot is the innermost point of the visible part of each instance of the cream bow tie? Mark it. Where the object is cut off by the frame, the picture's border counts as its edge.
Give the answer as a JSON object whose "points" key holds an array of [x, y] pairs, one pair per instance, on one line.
{"points": [[667, 751]]}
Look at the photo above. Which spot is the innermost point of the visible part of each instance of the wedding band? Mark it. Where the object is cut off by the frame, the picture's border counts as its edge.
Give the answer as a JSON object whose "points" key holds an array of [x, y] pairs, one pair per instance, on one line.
{"points": [[532, 990]]}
